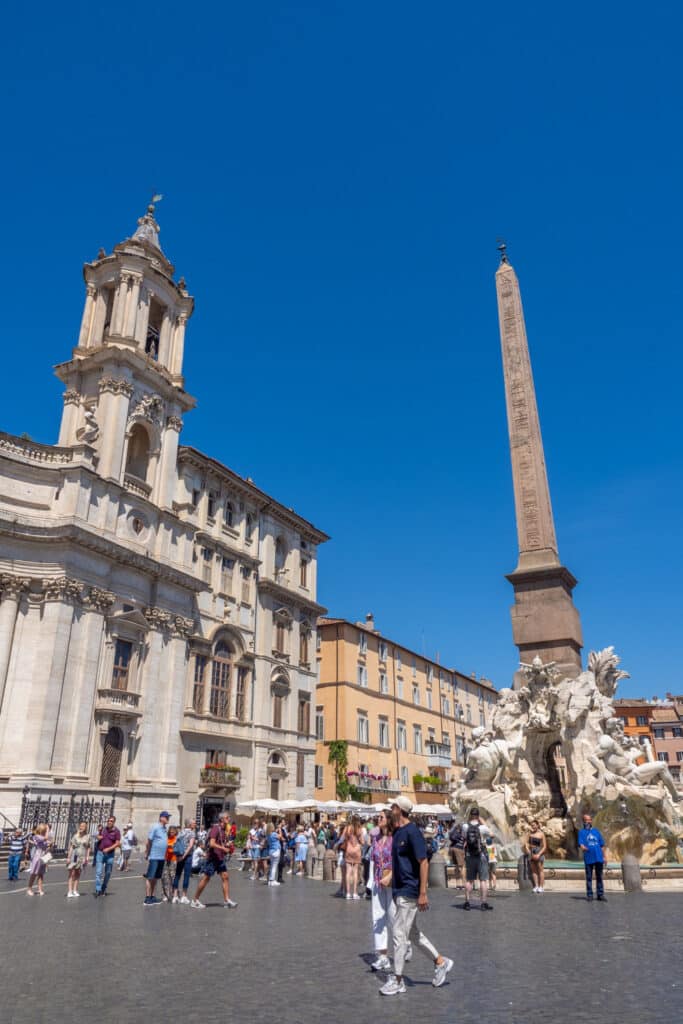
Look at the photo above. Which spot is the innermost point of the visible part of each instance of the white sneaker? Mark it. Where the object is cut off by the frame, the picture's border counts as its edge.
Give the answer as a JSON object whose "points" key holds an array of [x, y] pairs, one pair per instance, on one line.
{"points": [[348, 896], [355, 896], [175, 899], [440, 972], [535, 888], [393, 987], [197, 905], [274, 883], [69, 895], [184, 900], [75, 894], [382, 963], [540, 889], [230, 904]]}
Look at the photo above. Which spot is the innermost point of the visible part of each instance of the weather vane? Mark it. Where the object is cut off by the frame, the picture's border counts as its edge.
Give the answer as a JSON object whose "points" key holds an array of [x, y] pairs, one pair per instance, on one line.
{"points": [[502, 249], [156, 198]]}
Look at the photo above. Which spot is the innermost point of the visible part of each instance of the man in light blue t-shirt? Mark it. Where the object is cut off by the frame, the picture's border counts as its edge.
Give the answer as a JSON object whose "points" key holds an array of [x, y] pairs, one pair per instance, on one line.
{"points": [[157, 844], [591, 844]]}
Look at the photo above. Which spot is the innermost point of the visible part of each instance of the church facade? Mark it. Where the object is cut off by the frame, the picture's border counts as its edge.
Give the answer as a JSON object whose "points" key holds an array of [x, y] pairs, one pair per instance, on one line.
{"points": [[157, 611]]}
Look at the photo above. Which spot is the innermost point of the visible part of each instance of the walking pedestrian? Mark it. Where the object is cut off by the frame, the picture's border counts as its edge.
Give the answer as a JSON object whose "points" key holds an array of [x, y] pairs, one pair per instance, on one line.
{"points": [[382, 905], [353, 851], [128, 841], [492, 856], [536, 847], [40, 858], [79, 848], [409, 875], [17, 847], [476, 860], [216, 852], [274, 851], [591, 845], [109, 842], [300, 850], [168, 873], [155, 853], [457, 851], [184, 852]]}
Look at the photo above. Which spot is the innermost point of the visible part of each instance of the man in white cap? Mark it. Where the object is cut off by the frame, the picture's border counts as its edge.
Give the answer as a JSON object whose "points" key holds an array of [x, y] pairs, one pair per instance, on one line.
{"points": [[410, 870]]}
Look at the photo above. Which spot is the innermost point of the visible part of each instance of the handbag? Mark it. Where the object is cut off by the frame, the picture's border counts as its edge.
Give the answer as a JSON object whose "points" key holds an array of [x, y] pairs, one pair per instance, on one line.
{"points": [[46, 857]]}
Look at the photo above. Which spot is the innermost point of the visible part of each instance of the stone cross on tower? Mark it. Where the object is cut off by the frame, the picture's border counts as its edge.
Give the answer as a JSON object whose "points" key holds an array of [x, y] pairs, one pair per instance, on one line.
{"points": [[544, 619]]}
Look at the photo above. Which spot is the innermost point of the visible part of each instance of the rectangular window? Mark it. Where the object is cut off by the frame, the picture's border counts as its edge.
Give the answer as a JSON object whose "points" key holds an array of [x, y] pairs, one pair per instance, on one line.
{"points": [[677, 732], [482, 718], [675, 773], [278, 701], [431, 736], [641, 719], [398, 661], [123, 652], [445, 739], [227, 566], [319, 724], [414, 667], [362, 675], [429, 699], [679, 755], [303, 572], [417, 739], [459, 749], [319, 776], [303, 648], [659, 734], [200, 663], [404, 776], [280, 637], [662, 756], [401, 736], [383, 683], [196, 494], [399, 689], [303, 720], [469, 715], [430, 673], [445, 706], [363, 730], [219, 701], [212, 504], [241, 694], [207, 556], [299, 770], [362, 643], [384, 732], [228, 513], [416, 695], [382, 651], [245, 573]]}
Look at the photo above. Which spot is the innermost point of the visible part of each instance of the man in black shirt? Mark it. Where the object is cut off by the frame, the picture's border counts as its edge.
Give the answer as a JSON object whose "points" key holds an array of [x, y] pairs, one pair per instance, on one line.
{"points": [[410, 869]]}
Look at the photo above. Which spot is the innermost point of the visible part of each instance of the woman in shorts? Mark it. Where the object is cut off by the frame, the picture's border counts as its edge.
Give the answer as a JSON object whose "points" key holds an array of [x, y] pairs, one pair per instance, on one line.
{"points": [[536, 847]]}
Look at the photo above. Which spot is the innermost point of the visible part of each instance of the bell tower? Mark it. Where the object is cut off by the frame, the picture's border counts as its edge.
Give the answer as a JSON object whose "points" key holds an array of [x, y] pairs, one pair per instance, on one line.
{"points": [[125, 392]]}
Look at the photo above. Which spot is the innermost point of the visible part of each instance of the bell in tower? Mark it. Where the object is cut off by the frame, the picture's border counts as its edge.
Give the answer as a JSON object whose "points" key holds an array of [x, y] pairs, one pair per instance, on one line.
{"points": [[125, 391]]}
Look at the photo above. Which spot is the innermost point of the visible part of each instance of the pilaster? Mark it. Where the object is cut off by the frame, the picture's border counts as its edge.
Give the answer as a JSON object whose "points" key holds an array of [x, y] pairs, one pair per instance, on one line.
{"points": [[115, 395]]}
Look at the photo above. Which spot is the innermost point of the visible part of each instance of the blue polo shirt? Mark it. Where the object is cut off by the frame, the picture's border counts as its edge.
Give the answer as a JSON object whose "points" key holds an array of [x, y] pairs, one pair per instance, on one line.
{"points": [[158, 838], [591, 838], [407, 850]]}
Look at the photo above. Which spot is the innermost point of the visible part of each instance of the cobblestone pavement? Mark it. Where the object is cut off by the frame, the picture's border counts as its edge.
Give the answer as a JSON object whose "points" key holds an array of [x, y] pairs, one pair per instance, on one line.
{"points": [[297, 954]]}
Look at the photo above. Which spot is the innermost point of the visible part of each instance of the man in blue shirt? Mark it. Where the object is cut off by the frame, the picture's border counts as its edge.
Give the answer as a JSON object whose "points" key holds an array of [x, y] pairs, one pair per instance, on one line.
{"points": [[591, 844], [157, 845], [409, 874]]}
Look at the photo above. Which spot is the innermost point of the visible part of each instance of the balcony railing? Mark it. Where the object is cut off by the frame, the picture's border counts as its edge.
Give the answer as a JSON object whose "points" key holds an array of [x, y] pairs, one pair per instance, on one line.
{"points": [[124, 702], [432, 787], [381, 785], [137, 486], [222, 778], [440, 755]]}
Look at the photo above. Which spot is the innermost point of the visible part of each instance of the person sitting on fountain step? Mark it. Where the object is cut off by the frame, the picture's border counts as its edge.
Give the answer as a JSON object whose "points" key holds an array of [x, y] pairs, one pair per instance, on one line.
{"points": [[591, 844], [476, 859]]}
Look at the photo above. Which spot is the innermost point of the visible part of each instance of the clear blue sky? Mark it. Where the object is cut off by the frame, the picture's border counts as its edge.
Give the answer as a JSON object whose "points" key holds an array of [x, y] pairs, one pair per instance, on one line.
{"points": [[336, 176]]}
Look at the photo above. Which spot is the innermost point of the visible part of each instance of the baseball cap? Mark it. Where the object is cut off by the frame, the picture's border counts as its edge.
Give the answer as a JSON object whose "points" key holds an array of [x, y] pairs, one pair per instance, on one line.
{"points": [[404, 803], [165, 814]]}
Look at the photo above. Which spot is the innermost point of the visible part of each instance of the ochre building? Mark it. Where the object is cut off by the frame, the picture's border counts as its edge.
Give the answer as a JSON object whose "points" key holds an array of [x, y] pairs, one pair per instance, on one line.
{"points": [[407, 719]]}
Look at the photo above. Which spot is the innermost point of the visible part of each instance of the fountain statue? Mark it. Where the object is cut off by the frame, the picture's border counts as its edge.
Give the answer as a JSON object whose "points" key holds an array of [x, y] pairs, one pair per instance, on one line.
{"points": [[555, 748]]}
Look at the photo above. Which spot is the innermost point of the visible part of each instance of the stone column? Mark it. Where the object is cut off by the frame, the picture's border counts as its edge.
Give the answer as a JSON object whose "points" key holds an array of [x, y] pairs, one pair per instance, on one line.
{"points": [[178, 345], [11, 588], [132, 305], [113, 407], [153, 689], [165, 335], [142, 317], [17, 726], [118, 317], [49, 680], [87, 668], [88, 313], [70, 416], [167, 475]]}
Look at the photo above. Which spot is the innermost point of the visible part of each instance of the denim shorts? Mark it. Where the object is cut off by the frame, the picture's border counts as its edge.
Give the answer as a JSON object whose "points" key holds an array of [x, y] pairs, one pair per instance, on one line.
{"points": [[155, 869], [213, 867], [477, 867]]}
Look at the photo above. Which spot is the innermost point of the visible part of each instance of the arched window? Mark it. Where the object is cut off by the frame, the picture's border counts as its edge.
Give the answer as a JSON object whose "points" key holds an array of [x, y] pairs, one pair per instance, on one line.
{"points": [[111, 758], [138, 452], [228, 513], [221, 679], [280, 691]]}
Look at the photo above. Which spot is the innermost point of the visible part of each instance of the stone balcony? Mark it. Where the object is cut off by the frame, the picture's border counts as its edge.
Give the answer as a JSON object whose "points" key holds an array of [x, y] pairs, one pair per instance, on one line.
{"points": [[369, 785], [123, 702], [439, 755], [432, 787], [216, 777], [137, 486]]}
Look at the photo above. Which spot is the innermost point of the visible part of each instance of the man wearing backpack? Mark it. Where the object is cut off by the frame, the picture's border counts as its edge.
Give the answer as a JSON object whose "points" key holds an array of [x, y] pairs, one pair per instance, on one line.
{"points": [[476, 859]]}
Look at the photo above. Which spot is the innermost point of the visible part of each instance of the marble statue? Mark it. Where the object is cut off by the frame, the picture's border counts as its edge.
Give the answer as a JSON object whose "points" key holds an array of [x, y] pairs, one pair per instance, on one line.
{"points": [[90, 430], [554, 747]]}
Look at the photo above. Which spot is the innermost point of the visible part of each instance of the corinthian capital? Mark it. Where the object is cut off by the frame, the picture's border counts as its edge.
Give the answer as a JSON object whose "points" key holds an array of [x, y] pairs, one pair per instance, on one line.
{"points": [[175, 423], [13, 586], [116, 386], [62, 588], [159, 619], [71, 396], [99, 600]]}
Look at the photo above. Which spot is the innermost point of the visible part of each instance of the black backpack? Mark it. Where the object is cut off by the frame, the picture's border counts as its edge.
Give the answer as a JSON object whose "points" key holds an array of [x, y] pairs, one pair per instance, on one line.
{"points": [[473, 841]]}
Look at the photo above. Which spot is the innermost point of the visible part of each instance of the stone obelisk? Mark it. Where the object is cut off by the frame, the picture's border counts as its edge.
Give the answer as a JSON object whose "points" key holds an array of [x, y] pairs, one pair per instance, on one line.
{"points": [[544, 619]]}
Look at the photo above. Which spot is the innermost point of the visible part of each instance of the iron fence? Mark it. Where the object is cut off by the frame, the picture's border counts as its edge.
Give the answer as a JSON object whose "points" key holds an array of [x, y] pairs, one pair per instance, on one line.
{"points": [[63, 813]]}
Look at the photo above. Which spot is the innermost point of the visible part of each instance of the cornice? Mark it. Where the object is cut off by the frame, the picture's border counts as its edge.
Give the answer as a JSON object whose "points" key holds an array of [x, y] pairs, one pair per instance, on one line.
{"points": [[268, 586], [147, 371], [92, 541], [208, 539]]}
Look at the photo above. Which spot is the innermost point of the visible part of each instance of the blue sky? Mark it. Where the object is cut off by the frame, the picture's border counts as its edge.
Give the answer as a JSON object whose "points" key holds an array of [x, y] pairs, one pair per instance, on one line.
{"points": [[335, 178]]}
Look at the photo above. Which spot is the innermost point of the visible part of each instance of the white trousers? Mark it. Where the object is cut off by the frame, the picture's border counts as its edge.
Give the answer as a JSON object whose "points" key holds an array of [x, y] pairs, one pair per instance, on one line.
{"points": [[383, 911], [405, 929], [274, 861]]}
